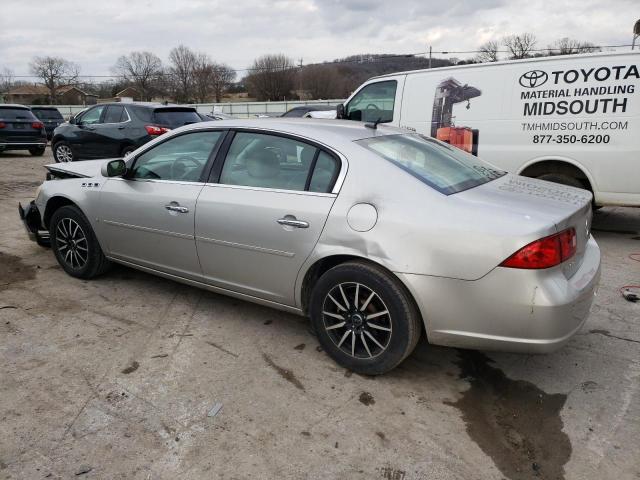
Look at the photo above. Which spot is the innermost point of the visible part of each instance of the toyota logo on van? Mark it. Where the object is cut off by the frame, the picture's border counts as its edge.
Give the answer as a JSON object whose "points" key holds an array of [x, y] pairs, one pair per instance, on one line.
{"points": [[533, 79]]}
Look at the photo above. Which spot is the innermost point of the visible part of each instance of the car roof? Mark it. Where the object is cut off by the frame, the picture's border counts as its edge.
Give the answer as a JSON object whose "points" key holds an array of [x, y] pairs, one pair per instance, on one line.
{"points": [[321, 130], [13, 105]]}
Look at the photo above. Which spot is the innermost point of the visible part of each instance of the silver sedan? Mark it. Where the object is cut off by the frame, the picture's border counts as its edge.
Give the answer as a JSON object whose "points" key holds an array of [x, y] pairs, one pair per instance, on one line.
{"points": [[376, 234]]}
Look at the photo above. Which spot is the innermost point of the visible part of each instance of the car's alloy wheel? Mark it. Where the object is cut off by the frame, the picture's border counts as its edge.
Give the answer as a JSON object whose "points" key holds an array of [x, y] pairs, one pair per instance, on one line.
{"points": [[357, 320], [75, 244], [72, 243], [63, 153], [364, 317]]}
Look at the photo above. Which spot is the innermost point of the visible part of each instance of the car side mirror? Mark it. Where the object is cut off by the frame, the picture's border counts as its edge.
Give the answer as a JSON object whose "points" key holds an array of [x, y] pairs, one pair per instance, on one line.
{"points": [[340, 111], [72, 119], [114, 168]]}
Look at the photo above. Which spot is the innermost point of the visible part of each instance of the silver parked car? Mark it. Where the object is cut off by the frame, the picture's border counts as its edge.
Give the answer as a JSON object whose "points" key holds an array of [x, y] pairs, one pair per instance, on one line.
{"points": [[373, 232]]}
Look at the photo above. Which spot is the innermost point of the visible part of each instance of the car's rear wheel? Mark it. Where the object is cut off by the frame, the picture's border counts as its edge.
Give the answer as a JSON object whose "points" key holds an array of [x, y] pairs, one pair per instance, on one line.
{"points": [[364, 318], [62, 152], [75, 245], [36, 152]]}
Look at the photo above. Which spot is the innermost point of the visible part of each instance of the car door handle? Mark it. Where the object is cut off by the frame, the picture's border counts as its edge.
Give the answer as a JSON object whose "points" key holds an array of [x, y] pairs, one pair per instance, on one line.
{"points": [[121, 127], [291, 221], [176, 208]]}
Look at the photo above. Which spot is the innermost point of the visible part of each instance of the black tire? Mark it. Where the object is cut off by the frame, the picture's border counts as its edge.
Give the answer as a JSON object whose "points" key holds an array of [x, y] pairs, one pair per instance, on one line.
{"points": [[127, 150], [36, 152], [63, 222], [62, 152], [563, 179], [403, 321]]}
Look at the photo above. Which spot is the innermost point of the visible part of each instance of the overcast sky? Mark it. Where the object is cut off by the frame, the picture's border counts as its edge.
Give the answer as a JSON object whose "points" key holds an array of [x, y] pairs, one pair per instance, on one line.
{"points": [[94, 33]]}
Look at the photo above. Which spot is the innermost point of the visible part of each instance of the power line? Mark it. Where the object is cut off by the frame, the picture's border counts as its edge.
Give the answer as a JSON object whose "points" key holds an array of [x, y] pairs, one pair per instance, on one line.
{"points": [[367, 58]]}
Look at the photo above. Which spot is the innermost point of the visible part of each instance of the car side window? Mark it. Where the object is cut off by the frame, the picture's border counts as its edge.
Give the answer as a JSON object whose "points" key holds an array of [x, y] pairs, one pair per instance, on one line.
{"points": [[324, 173], [270, 161], [180, 158], [373, 103], [114, 114], [92, 116]]}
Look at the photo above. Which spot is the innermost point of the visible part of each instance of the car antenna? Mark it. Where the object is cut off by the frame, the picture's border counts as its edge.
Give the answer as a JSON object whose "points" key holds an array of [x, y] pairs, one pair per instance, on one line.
{"points": [[373, 125]]}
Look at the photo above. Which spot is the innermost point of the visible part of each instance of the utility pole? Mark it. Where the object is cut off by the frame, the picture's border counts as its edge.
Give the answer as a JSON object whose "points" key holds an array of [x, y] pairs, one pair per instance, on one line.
{"points": [[300, 63], [429, 56]]}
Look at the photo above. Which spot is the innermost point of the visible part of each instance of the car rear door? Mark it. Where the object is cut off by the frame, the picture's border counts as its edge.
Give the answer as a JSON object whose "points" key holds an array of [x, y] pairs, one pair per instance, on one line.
{"points": [[262, 213], [147, 217]]}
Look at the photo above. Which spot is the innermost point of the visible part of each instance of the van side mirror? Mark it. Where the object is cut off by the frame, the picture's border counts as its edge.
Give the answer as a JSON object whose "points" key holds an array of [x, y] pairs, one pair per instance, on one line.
{"points": [[340, 111], [114, 168]]}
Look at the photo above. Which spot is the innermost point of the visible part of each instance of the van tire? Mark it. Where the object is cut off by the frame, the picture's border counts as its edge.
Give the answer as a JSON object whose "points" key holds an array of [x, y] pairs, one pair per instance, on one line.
{"points": [[563, 180]]}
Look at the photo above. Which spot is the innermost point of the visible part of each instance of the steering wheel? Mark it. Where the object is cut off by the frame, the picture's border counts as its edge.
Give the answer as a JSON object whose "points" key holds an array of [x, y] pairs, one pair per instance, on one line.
{"points": [[180, 165], [372, 106]]}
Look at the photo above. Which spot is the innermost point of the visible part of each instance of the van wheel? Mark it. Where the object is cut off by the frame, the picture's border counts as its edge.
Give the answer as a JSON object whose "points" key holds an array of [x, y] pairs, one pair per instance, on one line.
{"points": [[75, 245], [562, 179], [364, 318]]}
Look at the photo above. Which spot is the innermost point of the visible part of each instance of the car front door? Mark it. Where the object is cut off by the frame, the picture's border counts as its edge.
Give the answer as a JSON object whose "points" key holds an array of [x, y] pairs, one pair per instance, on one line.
{"points": [[147, 216], [87, 140], [262, 213]]}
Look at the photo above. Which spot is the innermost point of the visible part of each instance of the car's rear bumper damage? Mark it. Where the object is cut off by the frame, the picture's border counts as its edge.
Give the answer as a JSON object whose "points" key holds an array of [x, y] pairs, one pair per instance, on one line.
{"points": [[529, 311], [30, 216]]}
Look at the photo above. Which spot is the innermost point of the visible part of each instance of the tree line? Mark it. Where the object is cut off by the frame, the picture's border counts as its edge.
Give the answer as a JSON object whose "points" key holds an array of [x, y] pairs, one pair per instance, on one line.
{"points": [[189, 76]]}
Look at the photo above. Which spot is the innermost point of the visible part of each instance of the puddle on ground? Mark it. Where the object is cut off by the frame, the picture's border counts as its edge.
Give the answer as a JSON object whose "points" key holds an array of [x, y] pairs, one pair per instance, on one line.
{"points": [[512, 421], [12, 270]]}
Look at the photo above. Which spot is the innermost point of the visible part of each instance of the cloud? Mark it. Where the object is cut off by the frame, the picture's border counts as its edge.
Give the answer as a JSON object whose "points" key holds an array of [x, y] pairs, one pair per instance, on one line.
{"points": [[95, 34]]}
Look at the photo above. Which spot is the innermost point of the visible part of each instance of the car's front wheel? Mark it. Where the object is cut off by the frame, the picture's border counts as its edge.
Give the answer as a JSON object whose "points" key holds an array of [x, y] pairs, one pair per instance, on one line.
{"points": [[75, 245], [62, 152], [364, 318], [36, 152]]}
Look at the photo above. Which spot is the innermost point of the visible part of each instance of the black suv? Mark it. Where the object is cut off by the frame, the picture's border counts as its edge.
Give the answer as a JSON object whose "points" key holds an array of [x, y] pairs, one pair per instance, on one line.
{"points": [[21, 130], [116, 129], [50, 116]]}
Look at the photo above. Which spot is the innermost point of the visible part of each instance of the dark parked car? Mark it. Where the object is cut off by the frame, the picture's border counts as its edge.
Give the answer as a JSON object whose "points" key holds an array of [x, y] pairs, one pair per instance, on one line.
{"points": [[50, 116], [116, 129], [299, 112], [21, 130]]}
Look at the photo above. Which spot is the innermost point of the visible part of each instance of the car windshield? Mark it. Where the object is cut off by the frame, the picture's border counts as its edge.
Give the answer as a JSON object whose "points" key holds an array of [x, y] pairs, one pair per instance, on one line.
{"points": [[16, 114], [48, 114], [176, 118], [443, 167]]}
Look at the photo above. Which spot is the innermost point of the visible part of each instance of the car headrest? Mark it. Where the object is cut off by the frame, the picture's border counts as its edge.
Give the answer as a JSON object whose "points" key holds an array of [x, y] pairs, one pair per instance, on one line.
{"points": [[263, 164]]}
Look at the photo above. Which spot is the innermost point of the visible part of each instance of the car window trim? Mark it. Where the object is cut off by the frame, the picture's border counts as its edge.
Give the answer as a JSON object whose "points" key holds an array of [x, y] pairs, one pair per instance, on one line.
{"points": [[375, 82], [337, 179], [117, 123], [208, 164]]}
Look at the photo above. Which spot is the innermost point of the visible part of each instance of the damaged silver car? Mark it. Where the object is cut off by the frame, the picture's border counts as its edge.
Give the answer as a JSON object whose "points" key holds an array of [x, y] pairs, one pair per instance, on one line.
{"points": [[375, 233]]}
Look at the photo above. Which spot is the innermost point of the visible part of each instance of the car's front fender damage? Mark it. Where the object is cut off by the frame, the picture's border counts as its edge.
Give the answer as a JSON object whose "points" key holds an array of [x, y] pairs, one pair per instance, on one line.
{"points": [[32, 220]]}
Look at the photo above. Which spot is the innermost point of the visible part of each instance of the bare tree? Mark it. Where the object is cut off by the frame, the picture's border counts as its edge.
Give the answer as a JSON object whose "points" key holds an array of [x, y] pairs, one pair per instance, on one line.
{"points": [[54, 72], [7, 80], [142, 69], [183, 63], [223, 76], [322, 81], [272, 77], [488, 52], [568, 46], [520, 46], [203, 77]]}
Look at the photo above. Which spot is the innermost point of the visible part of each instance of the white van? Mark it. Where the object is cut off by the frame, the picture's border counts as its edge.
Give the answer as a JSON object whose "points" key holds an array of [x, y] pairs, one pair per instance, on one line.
{"points": [[569, 119]]}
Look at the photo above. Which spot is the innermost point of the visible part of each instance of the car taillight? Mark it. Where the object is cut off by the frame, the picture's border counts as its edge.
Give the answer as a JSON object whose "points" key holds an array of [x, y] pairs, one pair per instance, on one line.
{"points": [[155, 130], [37, 125], [2, 124], [546, 252]]}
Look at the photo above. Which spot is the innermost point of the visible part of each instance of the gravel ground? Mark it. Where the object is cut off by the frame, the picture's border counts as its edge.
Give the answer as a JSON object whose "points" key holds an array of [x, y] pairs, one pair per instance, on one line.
{"points": [[114, 378]]}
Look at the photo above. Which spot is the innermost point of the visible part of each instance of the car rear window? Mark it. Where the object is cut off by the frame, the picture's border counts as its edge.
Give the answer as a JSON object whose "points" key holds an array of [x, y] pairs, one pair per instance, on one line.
{"points": [[445, 168], [48, 114], [16, 114], [175, 118]]}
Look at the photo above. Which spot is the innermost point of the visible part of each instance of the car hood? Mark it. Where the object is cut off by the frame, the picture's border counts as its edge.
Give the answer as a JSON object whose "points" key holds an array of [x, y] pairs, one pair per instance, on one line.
{"points": [[85, 168]]}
